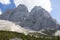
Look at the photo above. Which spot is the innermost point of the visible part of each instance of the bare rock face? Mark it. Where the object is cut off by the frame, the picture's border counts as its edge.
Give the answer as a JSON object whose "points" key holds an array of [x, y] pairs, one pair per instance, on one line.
{"points": [[58, 27], [16, 15], [19, 13], [6, 15], [37, 19]]}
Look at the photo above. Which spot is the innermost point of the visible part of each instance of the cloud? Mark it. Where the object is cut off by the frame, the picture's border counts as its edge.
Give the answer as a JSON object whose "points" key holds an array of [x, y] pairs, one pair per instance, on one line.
{"points": [[46, 4], [5, 2], [0, 12]]}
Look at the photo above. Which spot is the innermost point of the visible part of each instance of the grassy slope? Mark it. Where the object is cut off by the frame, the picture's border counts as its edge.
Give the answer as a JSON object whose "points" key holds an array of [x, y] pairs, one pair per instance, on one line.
{"points": [[6, 35]]}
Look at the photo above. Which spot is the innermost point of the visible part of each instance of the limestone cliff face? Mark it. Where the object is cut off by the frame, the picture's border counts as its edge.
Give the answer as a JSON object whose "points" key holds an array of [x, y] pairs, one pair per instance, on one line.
{"points": [[37, 19], [16, 15]]}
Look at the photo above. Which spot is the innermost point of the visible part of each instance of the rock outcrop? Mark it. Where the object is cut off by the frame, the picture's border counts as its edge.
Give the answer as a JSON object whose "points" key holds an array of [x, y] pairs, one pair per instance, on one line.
{"points": [[37, 19]]}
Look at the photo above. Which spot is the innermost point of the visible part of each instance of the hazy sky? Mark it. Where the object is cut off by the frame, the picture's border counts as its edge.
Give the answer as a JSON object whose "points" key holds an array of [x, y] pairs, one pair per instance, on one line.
{"points": [[46, 4], [52, 6], [55, 9]]}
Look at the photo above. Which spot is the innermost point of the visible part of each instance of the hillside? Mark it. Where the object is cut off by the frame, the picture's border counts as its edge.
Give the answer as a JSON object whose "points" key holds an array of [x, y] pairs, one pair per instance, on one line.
{"points": [[9, 35], [35, 25], [38, 18]]}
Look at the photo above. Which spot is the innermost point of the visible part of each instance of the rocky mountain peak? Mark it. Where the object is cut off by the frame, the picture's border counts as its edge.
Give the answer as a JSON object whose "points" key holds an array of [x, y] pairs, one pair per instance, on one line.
{"points": [[21, 8], [38, 18]]}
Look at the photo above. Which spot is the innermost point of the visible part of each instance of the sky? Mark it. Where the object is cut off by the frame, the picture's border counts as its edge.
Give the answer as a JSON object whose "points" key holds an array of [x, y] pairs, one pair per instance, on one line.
{"points": [[6, 4], [52, 6], [55, 9], [30, 4]]}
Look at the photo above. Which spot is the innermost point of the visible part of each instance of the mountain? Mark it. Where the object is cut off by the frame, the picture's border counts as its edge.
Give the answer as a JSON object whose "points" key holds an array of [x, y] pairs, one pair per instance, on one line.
{"points": [[35, 20], [39, 19], [16, 15], [10, 26]]}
